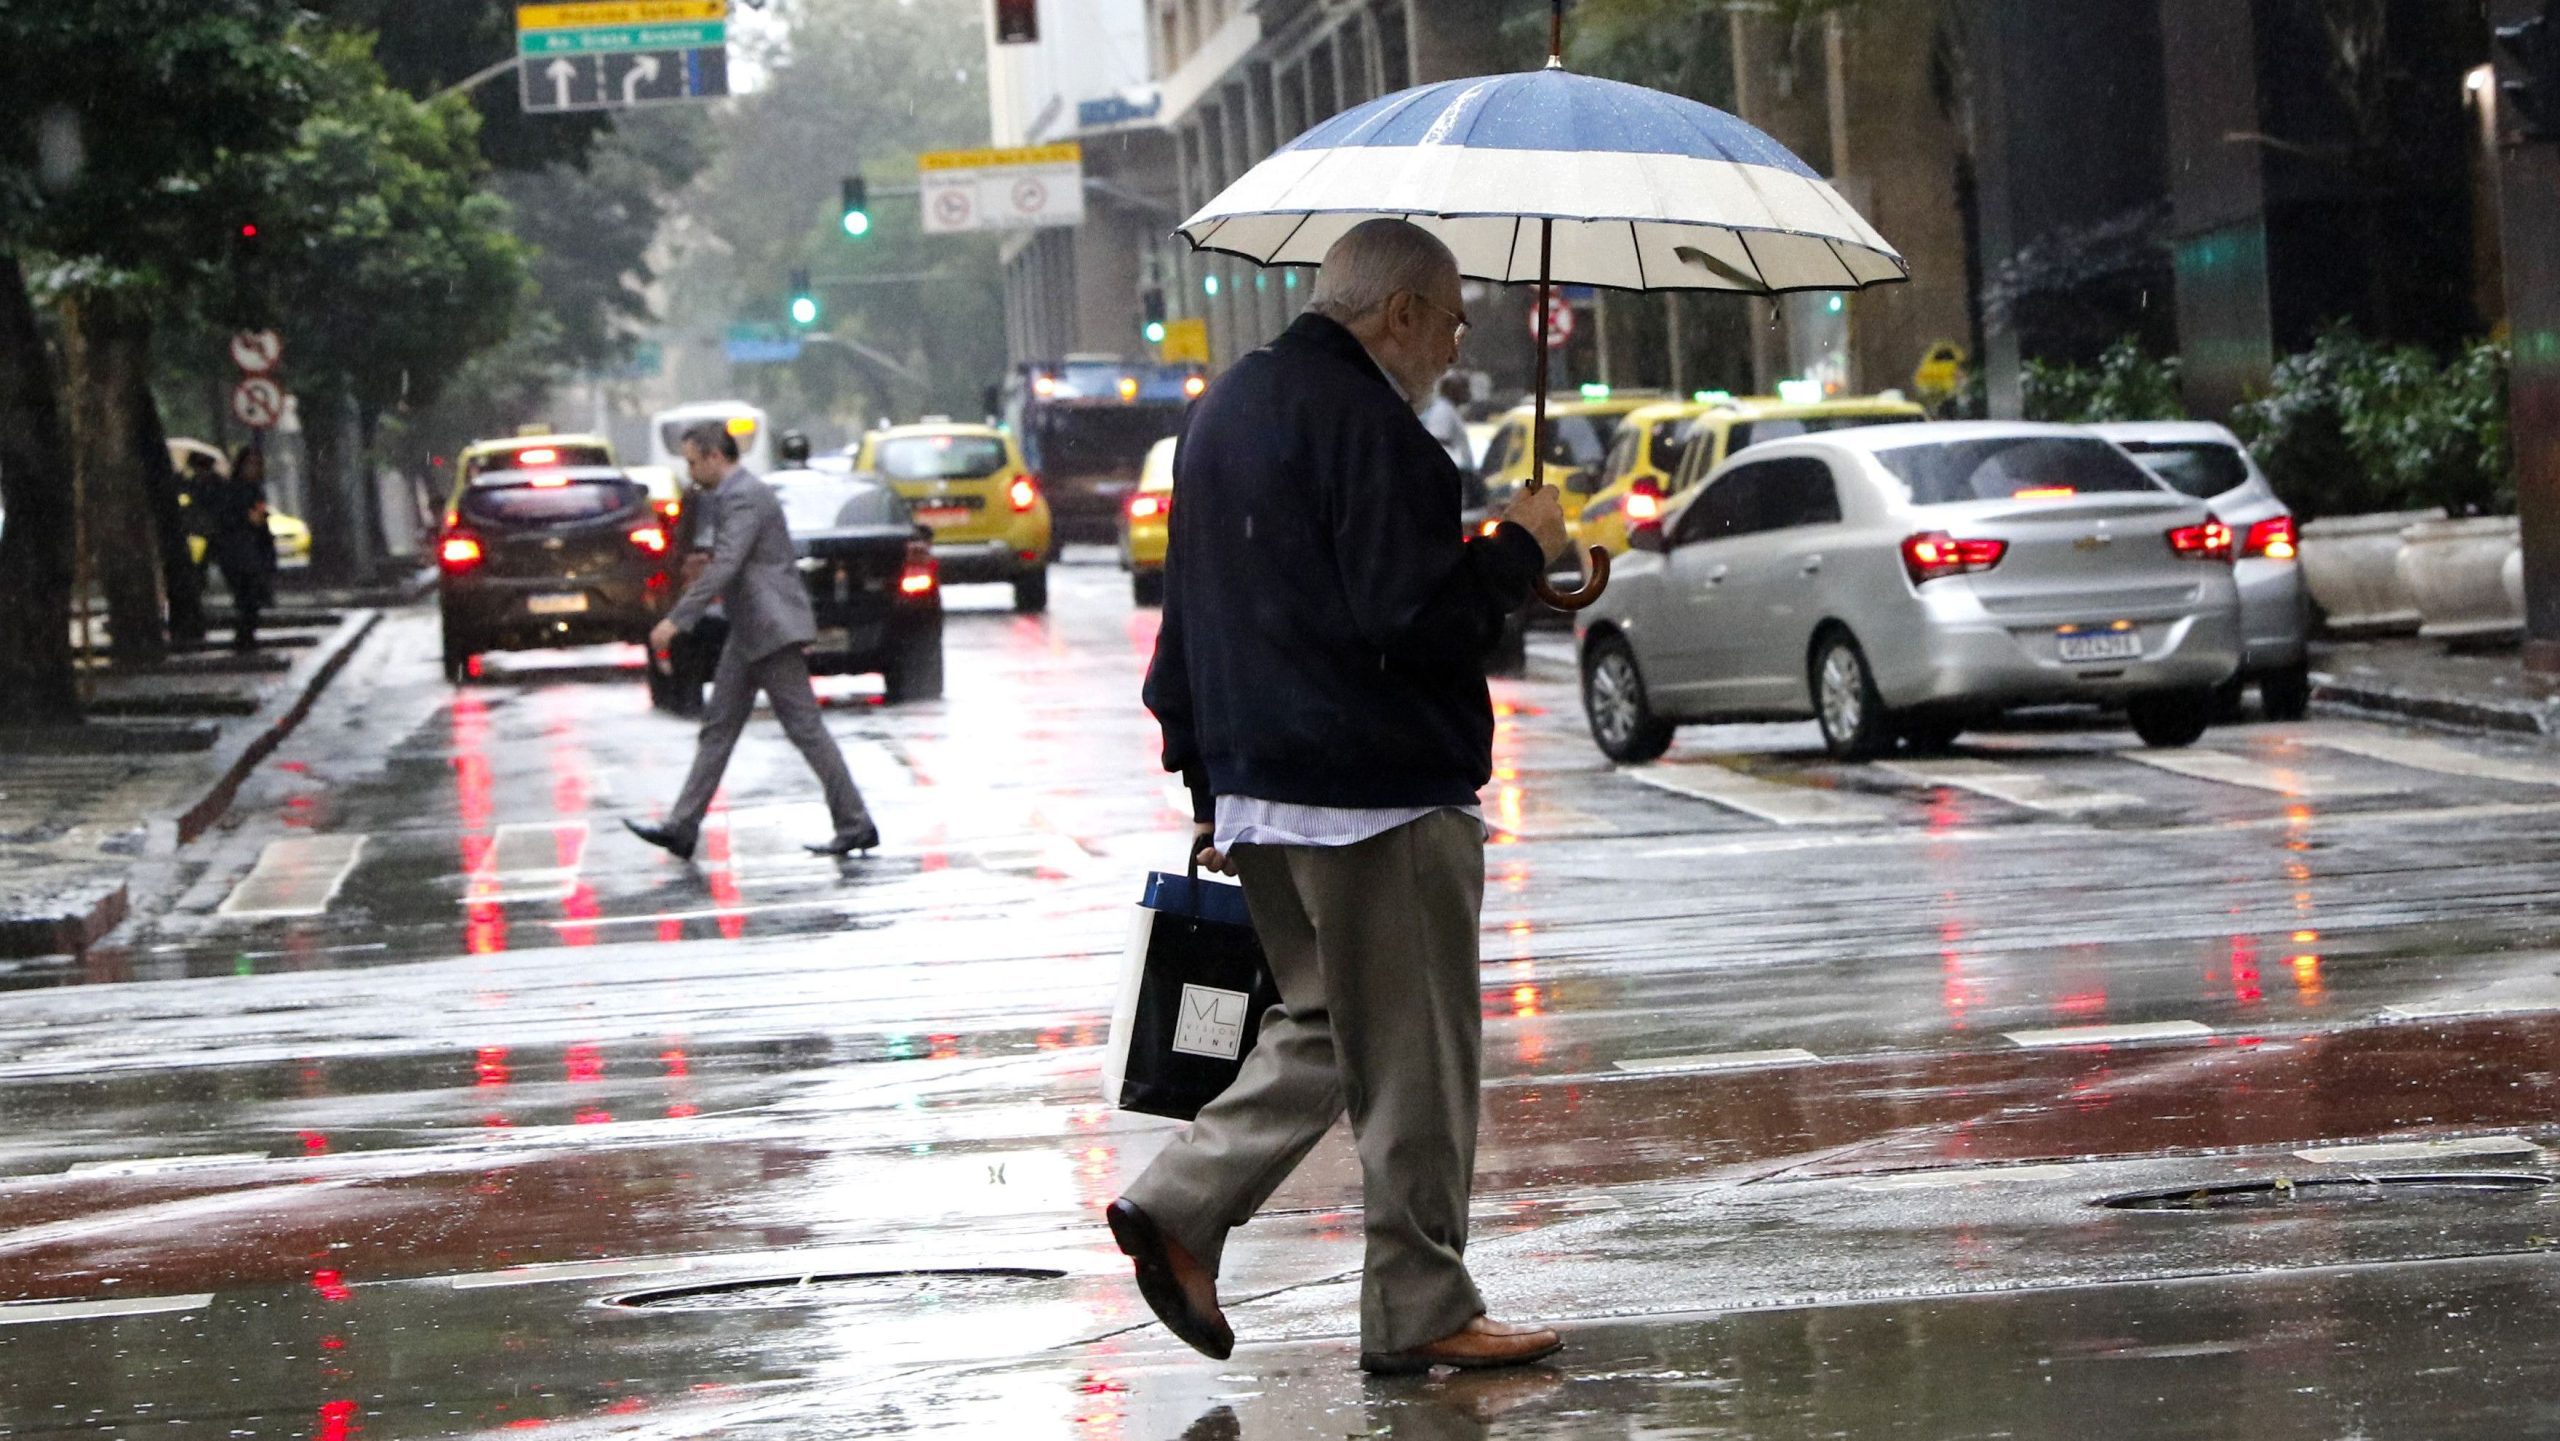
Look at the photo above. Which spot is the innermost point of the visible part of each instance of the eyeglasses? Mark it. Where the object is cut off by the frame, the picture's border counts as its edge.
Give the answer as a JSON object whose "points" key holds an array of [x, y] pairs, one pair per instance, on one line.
{"points": [[1457, 319]]}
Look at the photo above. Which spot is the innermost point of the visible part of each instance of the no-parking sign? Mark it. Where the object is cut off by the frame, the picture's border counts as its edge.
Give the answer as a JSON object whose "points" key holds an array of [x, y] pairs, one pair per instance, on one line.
{"points": [[1015, 189], [257, 403]]}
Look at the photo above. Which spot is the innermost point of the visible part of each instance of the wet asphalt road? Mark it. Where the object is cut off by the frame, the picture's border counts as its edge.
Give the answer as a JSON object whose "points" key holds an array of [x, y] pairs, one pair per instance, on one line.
{"points": [[1803, 1081]]}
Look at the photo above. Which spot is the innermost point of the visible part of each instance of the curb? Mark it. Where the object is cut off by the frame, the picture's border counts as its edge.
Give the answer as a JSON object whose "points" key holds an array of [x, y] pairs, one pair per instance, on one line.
{"points": [[2437, 708], [89, 918], [311, 676]]}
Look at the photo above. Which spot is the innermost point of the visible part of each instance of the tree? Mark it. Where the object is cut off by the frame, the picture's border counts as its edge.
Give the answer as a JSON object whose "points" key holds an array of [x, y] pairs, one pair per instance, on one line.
{"points": [[138, 108]]}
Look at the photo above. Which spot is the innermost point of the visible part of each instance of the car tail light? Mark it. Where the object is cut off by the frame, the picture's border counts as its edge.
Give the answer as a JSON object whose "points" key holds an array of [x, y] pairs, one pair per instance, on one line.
{"points": [[667, 509], [1146, 507], [1934, 554], [921, 574], [2275, 539], [1023, 493], [651, 539], [458, 553], [1644, 500], [2209, 541], [1192, 385], [538, 455]]}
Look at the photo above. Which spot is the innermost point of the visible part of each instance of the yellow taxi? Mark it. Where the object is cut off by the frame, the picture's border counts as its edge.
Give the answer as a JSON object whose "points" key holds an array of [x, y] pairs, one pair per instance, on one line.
{"points": [[530, 452], [1580, 429], [968, 484], [1661, 451], [1145, 525], [292, 537]]}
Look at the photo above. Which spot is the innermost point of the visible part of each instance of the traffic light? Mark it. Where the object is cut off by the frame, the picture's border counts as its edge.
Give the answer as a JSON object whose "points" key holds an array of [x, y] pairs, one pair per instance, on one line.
{"points": [[857, 207], [1151, 300], [804, 299], [2529, 85]]}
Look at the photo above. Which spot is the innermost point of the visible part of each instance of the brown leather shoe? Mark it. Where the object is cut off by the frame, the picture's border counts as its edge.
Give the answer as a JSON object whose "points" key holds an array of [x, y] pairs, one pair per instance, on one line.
{"points": [[1480, 1345], [1181, 1291]]}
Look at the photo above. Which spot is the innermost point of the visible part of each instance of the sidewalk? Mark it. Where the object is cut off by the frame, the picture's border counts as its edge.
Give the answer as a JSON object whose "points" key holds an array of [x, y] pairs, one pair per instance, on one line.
{"points": [[165, 748], [2420, 680]]}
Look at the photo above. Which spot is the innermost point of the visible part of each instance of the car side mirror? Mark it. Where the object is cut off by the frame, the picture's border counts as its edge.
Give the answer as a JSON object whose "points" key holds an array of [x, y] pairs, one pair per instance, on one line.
{"points": [[1648, 535]]}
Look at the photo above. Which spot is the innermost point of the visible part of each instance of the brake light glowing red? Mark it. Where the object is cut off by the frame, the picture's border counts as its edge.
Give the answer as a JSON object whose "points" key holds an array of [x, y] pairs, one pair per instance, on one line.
{"points": [[1146, 507], [651, 539], [458, 553], [1933, 555], [1023, 493], [538, 455], [921, 573], [2209, 541], [1643, 505], [669, 509], [2275, 539]]}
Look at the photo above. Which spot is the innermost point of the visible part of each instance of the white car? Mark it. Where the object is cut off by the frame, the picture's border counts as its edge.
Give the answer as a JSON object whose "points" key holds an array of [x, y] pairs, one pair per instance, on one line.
{"points": [[2208, 462], [1900, 582]]}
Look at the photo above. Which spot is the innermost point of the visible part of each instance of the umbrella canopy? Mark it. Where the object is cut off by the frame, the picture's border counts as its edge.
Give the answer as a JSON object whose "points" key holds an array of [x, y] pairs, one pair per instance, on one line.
{"points": [[1644, 191]]}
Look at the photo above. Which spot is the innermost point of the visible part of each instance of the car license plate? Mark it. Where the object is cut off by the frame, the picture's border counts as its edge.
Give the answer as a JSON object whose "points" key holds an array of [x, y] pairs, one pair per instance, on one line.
{"points": [[942, 515], [555, 604], [835, 640], [2093, 645]]}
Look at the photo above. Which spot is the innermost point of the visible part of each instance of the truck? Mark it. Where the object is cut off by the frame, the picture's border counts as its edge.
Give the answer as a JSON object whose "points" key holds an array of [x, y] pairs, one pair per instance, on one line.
{"points": [[1085, 424]]}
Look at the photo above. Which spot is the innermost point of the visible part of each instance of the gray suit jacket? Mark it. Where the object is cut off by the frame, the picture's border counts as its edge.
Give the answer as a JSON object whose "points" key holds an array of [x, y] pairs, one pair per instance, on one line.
{"points": [[752, 571]]}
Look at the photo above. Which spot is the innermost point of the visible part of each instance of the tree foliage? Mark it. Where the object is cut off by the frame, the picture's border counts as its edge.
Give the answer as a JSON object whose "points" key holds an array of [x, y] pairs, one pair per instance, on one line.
{"points": [[2353, 425], [2125, 384]]}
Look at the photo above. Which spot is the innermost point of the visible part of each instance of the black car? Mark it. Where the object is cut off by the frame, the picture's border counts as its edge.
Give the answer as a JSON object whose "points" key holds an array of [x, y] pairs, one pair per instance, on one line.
{"points": [[872, 584], [538, 559]]}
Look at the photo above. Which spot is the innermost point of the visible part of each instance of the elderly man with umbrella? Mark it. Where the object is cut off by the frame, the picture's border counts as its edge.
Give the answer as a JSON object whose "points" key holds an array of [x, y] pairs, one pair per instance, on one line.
{"points": [[1316, 673]]}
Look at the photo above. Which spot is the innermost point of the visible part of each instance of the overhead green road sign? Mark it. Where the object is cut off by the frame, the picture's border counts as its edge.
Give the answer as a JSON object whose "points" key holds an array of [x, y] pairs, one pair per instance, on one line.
{"points": [[622, 38]]}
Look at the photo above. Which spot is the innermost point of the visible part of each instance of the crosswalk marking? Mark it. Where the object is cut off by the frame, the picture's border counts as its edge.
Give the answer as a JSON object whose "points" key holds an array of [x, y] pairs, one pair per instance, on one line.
{"points": [[2418, 753], [1771, 801], [2108, 1035], [530, 861], [1720, 1061], [295, 876], [21, 1313], [2031, 789], [2392, 1152], [2296, 782]]}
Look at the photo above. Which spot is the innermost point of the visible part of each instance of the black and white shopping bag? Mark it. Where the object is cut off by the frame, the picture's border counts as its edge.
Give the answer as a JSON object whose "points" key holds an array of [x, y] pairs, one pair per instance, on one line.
{"points": [[1191, 1000]]}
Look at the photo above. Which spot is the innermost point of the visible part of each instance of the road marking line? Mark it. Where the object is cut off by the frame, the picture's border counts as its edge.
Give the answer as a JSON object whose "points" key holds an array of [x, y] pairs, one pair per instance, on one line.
{"points": [[2108, 1035], [2427, 755], [1971, 1176], [295, 876], [529, 861], [1719, 1061], [2034, 791], [2305, 783], [21, 1313], [565, 1271], [2390, 1151], [1762, 846], [157, 1165], [1778, 804], [2525, 1000]]}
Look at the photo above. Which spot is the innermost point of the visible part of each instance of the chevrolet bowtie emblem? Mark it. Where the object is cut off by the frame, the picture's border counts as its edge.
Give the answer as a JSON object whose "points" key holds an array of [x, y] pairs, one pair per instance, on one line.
{"points": [[2093, 542]]}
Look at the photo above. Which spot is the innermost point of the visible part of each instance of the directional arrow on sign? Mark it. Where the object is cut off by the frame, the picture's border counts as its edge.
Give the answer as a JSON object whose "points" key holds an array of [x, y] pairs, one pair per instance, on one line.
{"points": [[561, 71], [641, 74]]}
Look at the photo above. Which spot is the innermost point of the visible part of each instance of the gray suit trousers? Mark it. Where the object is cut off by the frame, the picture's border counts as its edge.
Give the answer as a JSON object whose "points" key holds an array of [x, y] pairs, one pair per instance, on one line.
{"points": [[783, 675], [1374, 949]]}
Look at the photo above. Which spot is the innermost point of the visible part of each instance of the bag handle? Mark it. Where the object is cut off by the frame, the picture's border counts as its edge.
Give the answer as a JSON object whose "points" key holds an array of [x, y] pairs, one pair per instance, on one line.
{"points": [[1191, 872]]}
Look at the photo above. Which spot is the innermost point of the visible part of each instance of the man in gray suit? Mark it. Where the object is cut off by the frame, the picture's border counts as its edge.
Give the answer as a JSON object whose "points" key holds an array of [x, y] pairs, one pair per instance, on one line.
{"points": [[770, 624]]}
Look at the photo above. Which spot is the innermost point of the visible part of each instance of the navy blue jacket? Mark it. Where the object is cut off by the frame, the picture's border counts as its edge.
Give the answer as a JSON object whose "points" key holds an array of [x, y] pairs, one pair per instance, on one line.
{"points": [[1325, 620]]}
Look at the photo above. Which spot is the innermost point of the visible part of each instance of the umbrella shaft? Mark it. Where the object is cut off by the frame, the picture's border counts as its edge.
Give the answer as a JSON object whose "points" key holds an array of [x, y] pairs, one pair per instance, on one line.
{"points": [[1538, 422]]}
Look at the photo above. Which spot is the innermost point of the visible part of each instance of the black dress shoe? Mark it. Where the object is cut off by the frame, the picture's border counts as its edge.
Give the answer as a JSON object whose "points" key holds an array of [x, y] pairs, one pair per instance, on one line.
{"points": [[864, 837], [1176, 1287], [680, 847]]}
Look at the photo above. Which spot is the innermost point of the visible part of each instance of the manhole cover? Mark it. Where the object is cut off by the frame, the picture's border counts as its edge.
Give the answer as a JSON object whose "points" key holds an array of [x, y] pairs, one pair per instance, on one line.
{"points": [[2330, 1190], [846, 1288]]}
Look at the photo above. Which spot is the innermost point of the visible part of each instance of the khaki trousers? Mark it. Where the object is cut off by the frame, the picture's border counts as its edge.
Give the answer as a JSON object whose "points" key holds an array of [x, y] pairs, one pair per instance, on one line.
{"points": [[1374, 949]]}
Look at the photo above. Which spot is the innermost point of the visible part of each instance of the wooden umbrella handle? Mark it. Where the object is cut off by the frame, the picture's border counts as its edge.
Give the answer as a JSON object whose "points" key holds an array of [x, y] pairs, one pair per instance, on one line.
{"points": [[1573, 600]]}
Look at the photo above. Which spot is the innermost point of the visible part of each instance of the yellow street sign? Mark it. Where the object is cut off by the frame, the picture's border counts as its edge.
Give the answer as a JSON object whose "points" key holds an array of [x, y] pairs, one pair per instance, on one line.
{"points": [[1185, 341], [1068, 153], [1941, 370], [592, 14]]}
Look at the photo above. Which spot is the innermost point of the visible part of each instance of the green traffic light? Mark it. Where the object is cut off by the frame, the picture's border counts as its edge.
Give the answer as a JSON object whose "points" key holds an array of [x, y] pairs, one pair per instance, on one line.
{"points": [[1155, 332], [857, 223], [804, 310]]}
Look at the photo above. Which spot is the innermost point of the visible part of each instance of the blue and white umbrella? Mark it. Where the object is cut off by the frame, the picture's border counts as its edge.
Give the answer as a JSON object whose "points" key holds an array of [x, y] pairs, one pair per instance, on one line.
{"points": [[1557, 178], [1643, 190]]}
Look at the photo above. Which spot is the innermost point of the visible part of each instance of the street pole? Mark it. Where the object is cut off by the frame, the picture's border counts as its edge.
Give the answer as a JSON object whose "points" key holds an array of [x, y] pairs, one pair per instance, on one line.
{"points": [[2529, 231]]}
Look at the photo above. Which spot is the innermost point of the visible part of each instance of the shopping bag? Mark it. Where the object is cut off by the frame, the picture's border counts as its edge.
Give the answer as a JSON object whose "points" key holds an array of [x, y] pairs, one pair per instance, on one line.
{"points": [[1191, 998]]}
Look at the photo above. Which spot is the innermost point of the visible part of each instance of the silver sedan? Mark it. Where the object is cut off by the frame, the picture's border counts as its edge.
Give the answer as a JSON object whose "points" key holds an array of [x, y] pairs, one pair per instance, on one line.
{"points": [[1900, 582]]}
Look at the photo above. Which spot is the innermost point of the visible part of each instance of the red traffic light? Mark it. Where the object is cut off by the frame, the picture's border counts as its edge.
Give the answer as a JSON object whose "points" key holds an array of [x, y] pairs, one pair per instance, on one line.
{"points": [[248, 230]]}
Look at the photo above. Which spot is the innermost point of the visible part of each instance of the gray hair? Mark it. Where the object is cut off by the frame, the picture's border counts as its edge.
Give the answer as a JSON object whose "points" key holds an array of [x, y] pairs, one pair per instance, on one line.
{"points": [[1372, 262]]}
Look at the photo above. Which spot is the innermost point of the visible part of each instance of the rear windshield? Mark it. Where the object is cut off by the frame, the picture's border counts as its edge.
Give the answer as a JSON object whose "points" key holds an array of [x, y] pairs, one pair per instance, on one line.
{"points": [[1670, 438], [549, 504], [543, 456], [822, 500], [1074, 440], [1786, 427], [940, 457], [1580, 439], [2203, 468], [2004, 466]]}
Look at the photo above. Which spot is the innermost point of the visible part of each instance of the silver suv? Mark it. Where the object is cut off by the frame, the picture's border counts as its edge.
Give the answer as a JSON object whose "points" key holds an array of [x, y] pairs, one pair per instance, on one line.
{"points": [[1900, 582]]}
